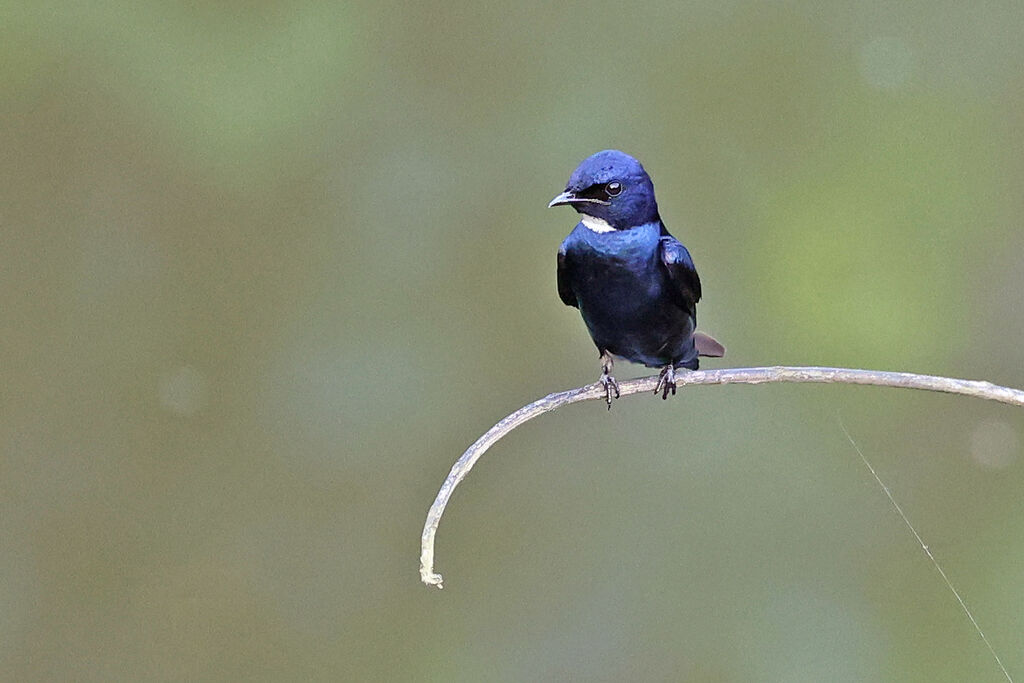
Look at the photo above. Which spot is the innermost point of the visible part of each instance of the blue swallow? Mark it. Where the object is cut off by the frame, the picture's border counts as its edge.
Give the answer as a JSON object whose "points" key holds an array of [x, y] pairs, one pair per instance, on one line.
{"points": [[634, 284]]}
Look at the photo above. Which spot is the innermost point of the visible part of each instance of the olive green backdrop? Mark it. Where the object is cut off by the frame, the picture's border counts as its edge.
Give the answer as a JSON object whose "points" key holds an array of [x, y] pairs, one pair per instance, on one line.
{"points": [[268, 268]]}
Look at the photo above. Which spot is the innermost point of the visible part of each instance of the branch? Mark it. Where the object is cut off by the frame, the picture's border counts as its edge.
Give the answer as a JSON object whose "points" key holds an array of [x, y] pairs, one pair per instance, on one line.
{"points": [[902, 380]]}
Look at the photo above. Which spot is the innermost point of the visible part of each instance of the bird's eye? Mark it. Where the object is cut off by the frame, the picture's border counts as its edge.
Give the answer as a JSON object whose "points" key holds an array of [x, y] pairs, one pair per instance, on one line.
{"points": [[613, 188]]}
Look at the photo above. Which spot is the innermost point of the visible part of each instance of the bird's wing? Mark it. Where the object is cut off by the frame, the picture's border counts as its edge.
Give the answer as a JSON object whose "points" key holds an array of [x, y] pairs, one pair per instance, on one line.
{"points": [[685, 289], [565, 292]]}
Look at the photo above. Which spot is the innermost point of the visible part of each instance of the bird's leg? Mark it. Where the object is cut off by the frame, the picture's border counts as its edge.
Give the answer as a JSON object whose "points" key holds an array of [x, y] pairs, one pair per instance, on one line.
{"points": [[666, 382], [607, 381]]}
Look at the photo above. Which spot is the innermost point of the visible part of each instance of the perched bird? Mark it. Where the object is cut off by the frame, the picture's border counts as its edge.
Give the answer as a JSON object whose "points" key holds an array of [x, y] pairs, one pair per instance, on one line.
{"points": [[634, 284]]}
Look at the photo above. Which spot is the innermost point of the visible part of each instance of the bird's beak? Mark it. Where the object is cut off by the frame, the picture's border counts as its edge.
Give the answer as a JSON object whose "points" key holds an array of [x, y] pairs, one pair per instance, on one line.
{"points": [[569, 197], [566, 197]]}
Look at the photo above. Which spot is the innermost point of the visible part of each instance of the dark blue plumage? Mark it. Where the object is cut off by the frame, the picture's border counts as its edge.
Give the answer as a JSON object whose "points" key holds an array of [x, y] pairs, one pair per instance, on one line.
{"points": [[634, 284]]}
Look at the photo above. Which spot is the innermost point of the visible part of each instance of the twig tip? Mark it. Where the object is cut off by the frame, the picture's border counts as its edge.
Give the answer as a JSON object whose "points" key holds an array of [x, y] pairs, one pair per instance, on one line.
{"points": [[432, 579]]}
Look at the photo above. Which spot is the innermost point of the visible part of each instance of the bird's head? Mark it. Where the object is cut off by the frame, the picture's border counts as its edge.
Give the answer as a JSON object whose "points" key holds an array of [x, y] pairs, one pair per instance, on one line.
{"points": [[612, 190]]}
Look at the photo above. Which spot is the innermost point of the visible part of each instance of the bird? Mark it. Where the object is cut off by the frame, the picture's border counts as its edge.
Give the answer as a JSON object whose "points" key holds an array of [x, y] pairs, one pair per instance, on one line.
{"points": [[634, 284]]}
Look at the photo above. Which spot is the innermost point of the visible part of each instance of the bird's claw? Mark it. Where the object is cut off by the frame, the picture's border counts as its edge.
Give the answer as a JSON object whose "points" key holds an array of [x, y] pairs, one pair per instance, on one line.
{"points": [[666, 382], [610, 387], [607, 381]]}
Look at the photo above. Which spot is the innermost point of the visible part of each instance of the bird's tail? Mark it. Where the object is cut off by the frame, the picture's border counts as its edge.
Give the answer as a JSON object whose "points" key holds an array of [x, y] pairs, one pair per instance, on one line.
{"points": [[707, 345]]}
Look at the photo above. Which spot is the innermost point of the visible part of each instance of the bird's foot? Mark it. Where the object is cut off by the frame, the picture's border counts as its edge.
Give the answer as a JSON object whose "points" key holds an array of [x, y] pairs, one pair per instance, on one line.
{"points": [[611, 388], [666, 382], [607, 381]]}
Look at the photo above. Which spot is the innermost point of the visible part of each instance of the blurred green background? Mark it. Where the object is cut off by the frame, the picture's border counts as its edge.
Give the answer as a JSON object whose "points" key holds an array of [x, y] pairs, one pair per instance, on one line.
{"points": [[268, 268]]}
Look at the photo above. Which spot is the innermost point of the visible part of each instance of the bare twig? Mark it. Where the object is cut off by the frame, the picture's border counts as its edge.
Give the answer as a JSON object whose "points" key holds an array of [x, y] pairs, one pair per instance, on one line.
{"points": [[903, 380]]}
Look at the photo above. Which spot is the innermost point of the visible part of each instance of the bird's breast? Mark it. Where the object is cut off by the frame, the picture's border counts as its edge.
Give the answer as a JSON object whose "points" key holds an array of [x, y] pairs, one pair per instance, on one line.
{"points": [[616, 274]]}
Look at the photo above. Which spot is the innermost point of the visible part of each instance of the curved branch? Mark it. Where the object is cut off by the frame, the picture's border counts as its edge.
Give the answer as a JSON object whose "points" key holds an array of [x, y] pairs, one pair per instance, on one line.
{"points": [[902, 380]]}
